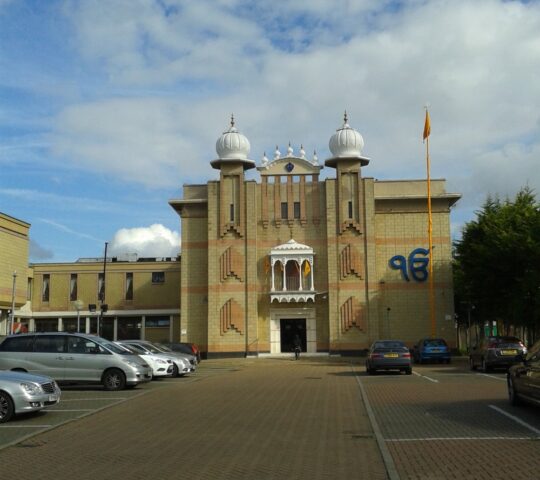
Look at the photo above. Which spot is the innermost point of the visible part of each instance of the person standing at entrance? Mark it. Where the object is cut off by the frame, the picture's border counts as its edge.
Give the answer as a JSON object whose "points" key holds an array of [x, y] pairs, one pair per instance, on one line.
{"points": [[297, 346]]}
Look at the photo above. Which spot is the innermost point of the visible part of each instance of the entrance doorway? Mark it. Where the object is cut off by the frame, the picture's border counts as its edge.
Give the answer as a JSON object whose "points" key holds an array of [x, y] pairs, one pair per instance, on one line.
{"points": [[289, 328]]}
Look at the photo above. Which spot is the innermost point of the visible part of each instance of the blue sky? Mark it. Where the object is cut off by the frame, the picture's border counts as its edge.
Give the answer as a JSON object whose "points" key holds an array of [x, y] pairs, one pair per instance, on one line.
{"points": [[108, 107]]}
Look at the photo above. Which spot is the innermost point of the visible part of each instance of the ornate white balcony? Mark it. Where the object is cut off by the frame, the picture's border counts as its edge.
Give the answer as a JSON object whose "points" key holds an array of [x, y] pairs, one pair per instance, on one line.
{"points": [[292, 273]]}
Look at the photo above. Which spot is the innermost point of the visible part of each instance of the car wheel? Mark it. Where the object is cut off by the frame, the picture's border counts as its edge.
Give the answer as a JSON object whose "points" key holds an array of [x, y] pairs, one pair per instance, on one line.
{"points": [[472, 366], [448, 361], [6, 407], [512, 395], [408, 371], [485, 367], [175, 370], [114, 379]]}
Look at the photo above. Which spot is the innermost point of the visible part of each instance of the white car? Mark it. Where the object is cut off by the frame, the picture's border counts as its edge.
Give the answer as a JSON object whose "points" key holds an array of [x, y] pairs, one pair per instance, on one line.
{"points": [[161, 367], [22, 392], [181, 365]]}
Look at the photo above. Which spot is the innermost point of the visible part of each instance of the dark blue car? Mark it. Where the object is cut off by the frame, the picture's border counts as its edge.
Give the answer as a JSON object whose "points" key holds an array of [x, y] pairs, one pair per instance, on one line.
{"points": [[431, 350]]}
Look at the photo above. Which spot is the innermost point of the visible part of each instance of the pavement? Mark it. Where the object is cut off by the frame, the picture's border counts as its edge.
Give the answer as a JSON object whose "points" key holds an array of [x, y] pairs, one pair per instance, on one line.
{"points": [[235, 419], [276, 418]]}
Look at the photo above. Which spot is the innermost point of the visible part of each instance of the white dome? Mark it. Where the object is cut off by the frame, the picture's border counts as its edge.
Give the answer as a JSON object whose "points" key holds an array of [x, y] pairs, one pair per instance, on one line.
{"points": [[232, 145], [346, 142]]}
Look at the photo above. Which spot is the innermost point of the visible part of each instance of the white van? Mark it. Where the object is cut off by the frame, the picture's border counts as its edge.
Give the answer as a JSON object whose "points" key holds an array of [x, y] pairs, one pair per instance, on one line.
{"points": [[74, 358]]}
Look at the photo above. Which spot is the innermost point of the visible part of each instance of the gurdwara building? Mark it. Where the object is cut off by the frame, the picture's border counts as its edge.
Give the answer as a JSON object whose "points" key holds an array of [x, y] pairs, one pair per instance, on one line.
{"points": [[340, 259]]}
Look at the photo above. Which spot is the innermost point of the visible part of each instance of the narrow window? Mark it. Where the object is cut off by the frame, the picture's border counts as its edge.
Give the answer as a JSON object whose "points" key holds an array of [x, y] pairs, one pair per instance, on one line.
{"points": [[350, 210], [45, 291], [296, 209], [101, 287], [231, 212], [158, 277], [73, 287], [129, 286], [29, 290], [284, 211]]}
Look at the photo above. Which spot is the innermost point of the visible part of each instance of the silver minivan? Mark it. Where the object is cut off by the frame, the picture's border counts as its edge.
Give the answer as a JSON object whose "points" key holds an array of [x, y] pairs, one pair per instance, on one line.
{"points": [[74, 358]]}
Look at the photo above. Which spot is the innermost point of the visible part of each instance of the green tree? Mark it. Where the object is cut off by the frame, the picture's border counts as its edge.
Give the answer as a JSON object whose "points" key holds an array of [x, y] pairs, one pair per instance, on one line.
{"points": [[497, 264]]}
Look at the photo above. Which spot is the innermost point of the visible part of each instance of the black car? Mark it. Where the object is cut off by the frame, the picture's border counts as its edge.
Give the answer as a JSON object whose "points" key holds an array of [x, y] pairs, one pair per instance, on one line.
{"points": [[524, 379], [184, 347], [496, 352]]}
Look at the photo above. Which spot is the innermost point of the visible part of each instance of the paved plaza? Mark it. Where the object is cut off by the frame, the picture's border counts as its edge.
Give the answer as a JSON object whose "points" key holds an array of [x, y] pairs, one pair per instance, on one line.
{"points": [[276, 418]]}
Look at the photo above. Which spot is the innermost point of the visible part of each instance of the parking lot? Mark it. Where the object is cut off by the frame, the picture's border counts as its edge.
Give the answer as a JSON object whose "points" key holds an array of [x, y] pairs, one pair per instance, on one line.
{"points": [[320, 417]]}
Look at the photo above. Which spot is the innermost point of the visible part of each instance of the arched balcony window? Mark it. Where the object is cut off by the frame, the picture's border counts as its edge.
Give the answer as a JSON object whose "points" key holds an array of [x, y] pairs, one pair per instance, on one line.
{"points": [[292, 273]]}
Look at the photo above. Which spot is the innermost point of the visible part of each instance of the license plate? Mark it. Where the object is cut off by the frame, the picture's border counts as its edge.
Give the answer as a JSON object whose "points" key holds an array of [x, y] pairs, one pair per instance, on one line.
{"points": [[53, 398], [509, 352], [436, 350], [391, 355]]}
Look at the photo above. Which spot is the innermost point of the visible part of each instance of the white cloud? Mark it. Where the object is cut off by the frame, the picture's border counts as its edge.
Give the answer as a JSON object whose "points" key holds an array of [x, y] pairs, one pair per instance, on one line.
{"points": [[153, 241], [176, 70]]}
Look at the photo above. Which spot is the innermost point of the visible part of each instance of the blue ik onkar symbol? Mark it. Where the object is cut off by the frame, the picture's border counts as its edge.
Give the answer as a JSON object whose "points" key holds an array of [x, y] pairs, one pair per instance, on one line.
{"points": [[414, 265]]}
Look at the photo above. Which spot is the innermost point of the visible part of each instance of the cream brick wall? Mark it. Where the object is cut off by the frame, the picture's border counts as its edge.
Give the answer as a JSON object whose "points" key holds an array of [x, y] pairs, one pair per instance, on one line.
{"points": [[13, 258], [392, 220]]}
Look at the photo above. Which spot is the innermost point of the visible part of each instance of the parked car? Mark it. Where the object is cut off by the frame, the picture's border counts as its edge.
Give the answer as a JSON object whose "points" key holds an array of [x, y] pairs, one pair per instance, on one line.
{"points": [[431, 349], [496, 352], [183, 347], [22, 393], [388, 355], [181, 364], [161, 367], [74, 358], [523, 380]]}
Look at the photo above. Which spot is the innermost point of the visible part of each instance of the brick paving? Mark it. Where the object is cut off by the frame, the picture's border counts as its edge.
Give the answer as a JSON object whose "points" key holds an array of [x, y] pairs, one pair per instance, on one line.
{"points": [[247, 419], [447, 430]]}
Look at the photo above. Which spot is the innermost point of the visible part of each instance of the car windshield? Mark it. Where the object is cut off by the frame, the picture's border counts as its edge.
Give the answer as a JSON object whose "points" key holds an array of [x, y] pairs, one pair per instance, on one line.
{"points": [[129, 348], [388, 344], [163, 348], [507, 341], [435, 342], [151, 348], [112, 347]]}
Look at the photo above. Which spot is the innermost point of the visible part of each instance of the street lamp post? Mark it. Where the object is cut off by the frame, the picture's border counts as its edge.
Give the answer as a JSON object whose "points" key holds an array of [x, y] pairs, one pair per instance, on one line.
{"points": [[12, 304], [78, 304]]}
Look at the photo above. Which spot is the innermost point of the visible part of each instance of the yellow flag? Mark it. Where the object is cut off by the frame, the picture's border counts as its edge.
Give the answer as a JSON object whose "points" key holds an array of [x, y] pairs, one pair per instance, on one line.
{"points": [[427, 126], [307, 269]]}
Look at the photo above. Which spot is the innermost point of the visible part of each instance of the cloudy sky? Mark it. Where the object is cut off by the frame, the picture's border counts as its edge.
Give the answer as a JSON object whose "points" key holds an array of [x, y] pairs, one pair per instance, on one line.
{"points": [[108, 107]]}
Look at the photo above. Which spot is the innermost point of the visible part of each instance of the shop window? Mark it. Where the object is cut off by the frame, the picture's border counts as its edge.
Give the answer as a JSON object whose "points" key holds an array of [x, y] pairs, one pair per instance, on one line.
{"points": [[45, 291], [158, 277], [157, 322]]}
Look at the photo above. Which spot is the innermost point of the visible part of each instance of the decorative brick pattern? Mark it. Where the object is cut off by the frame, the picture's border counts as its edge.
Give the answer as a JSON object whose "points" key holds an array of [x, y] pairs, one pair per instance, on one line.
{"points": [[352, 315], [350, 262], [230, 265], [231, 316]]}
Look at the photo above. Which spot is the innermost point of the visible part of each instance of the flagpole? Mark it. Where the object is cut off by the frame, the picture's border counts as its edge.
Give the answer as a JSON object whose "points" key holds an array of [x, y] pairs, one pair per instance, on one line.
{"points": [[427, 131]]}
